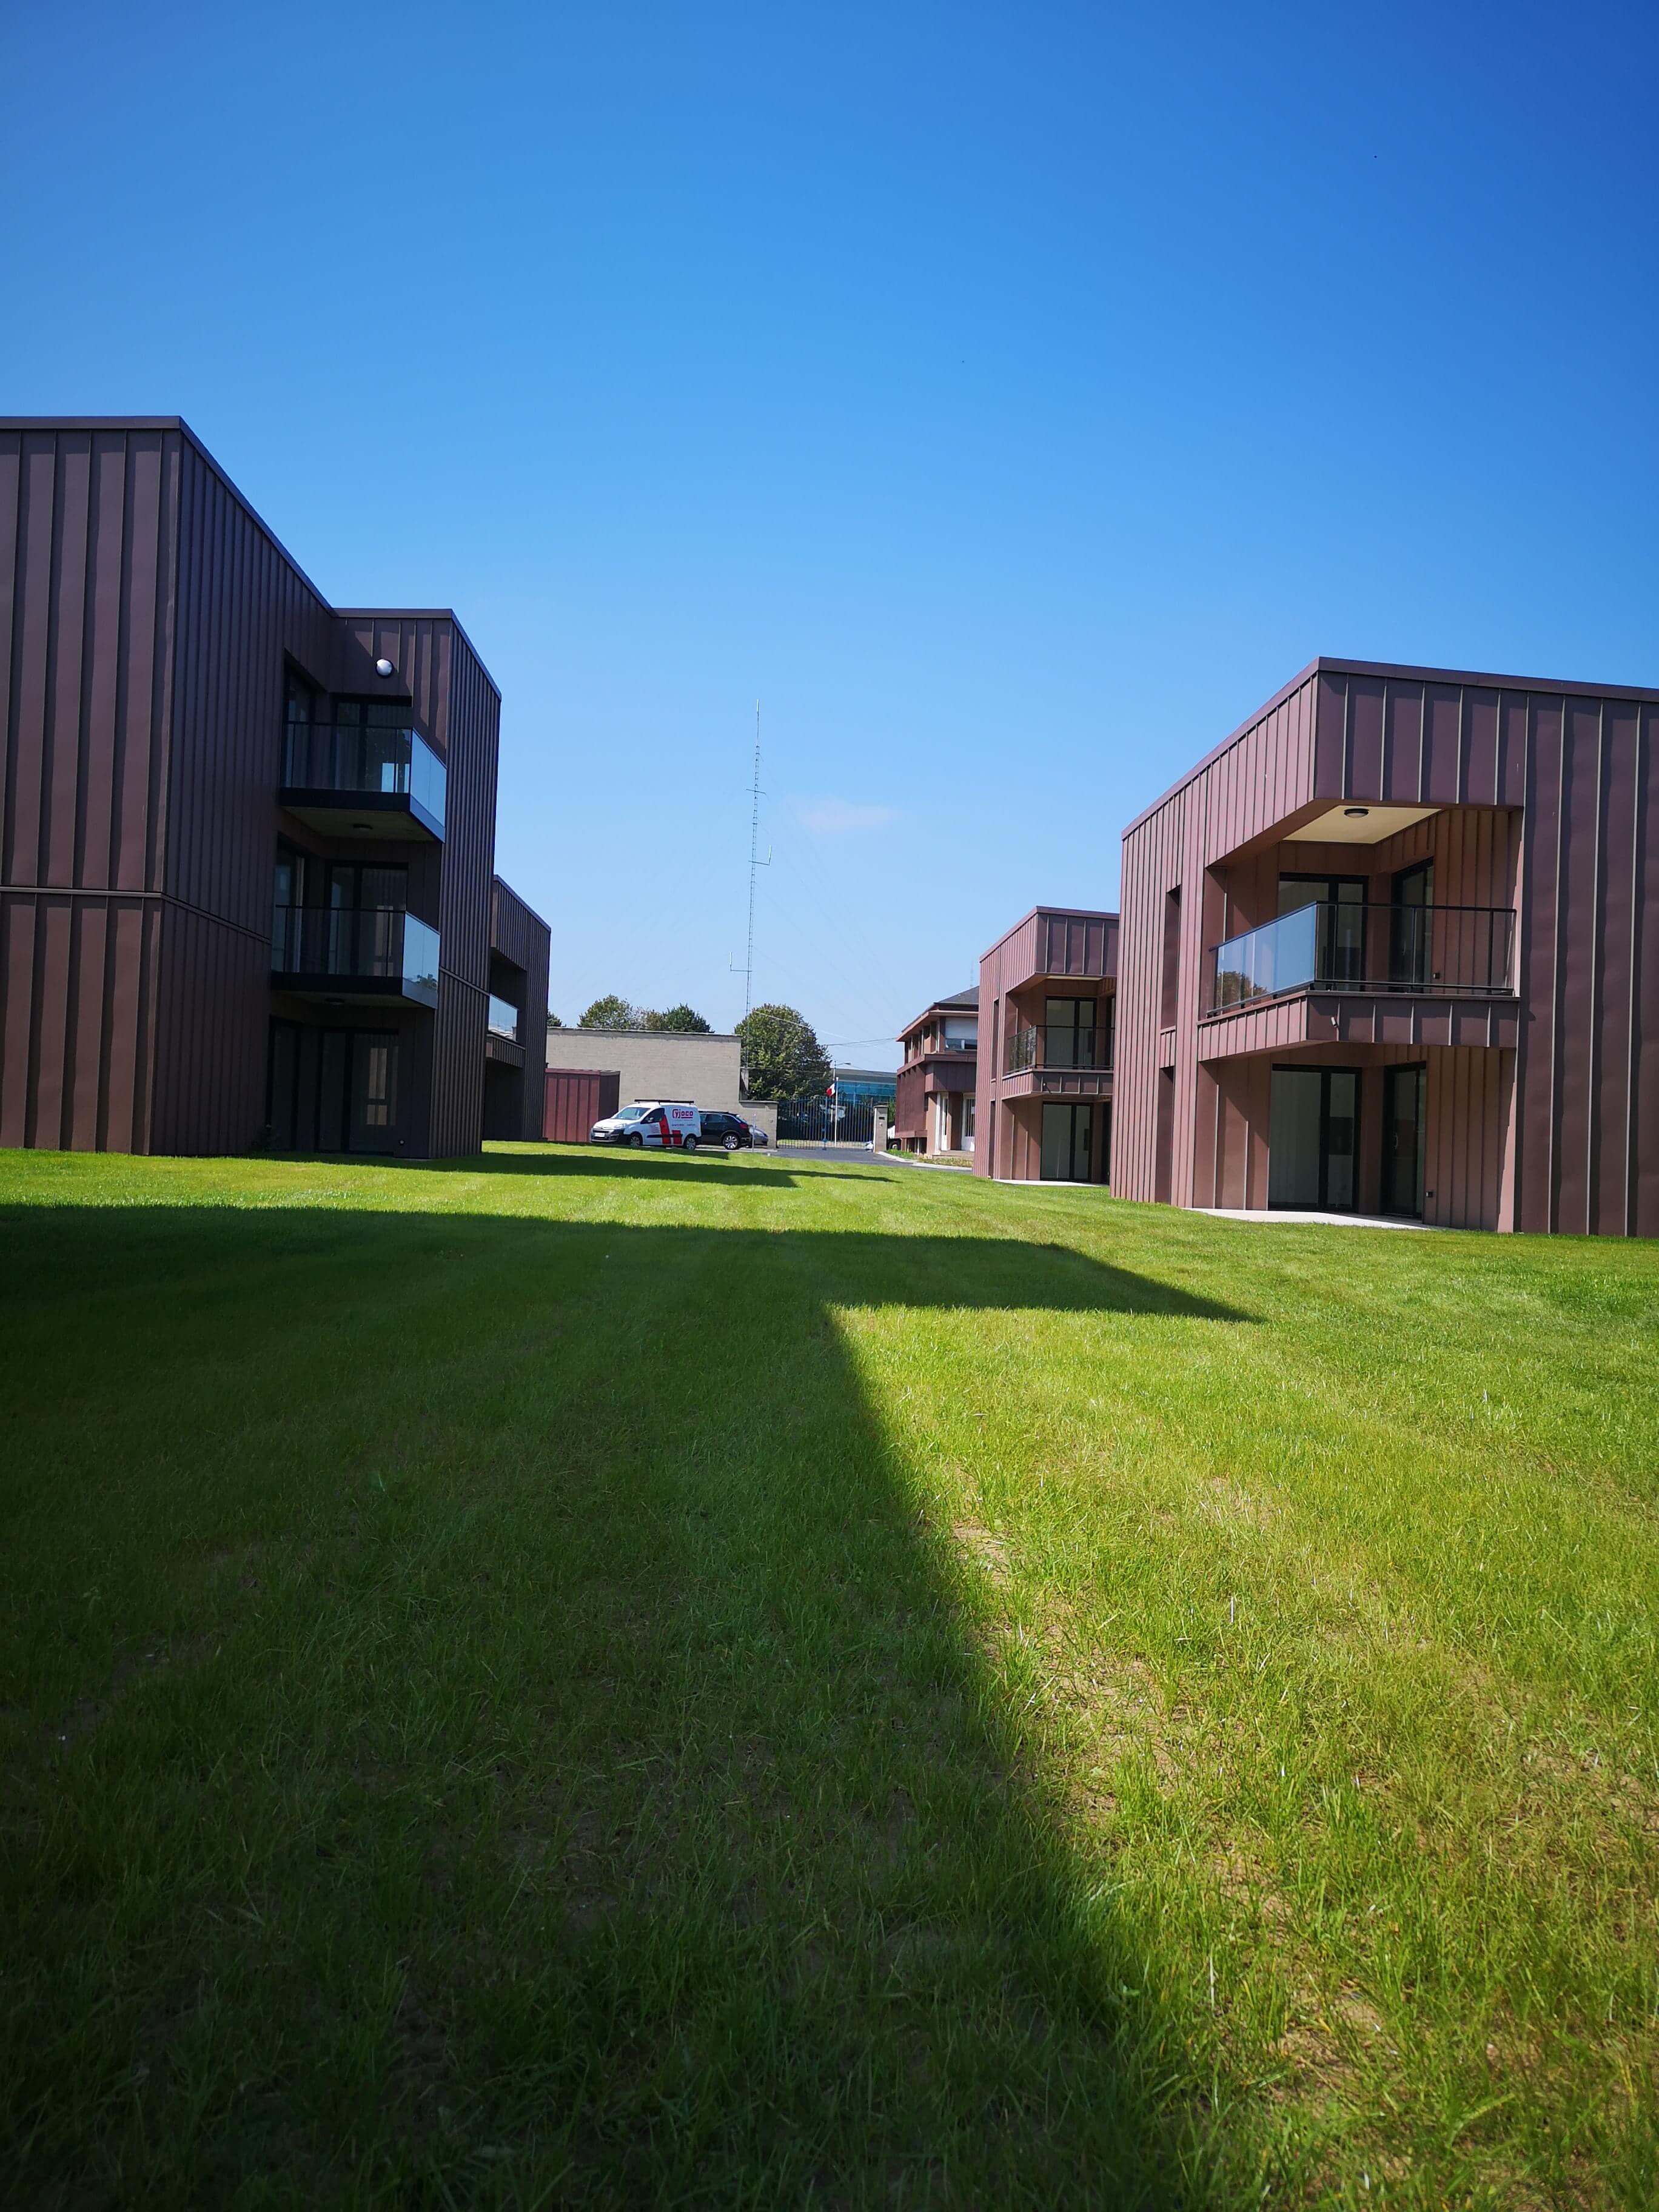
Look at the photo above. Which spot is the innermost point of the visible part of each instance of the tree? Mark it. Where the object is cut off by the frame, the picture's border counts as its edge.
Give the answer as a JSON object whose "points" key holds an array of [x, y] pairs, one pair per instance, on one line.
{"points": [[610, 1013], [781, 1056], [683, 1017], [553, 1021]]}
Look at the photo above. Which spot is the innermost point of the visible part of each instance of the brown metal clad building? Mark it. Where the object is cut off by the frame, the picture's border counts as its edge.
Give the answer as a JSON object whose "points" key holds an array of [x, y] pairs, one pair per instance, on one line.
{"points": [[515, 1044], [165, 652], [1048, 1010], [935, 1093], [1393, 947]]}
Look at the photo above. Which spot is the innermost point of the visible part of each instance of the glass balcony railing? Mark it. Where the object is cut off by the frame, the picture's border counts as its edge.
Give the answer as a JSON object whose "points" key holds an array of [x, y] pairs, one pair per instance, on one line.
{"points": [[365, 763], [1039, 1044], [1466, 951], [340, 947], [503, 1019]]}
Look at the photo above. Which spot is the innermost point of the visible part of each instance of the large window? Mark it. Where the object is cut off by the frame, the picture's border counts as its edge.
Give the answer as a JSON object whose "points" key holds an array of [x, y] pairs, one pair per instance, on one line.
{"points": [[1341, 938], [1405, 1149], [1068, 1131], [1313, 1138], [1070, 1027], [1411, 919], [330, 1090]]}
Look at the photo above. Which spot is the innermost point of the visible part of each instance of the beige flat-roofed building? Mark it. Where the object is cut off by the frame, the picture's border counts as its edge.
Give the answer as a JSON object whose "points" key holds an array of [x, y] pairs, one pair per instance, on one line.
{"points": [[703, 1066]]}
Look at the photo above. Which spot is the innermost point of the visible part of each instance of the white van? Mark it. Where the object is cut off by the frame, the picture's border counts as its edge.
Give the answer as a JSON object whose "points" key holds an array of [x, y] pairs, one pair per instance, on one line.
{"points": [[666, 1124]]}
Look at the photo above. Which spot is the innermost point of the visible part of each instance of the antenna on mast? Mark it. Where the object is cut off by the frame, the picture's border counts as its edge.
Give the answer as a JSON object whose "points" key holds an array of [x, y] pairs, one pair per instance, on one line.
{"points": [[755, 861]]}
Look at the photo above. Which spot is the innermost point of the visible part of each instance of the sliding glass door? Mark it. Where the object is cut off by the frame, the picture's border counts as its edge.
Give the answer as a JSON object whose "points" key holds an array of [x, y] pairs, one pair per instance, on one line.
{"points": [[1339, 943], [1410, 918], [1069, 1033], [1313, 1138], [1405, 1123], [1068, 1131]]}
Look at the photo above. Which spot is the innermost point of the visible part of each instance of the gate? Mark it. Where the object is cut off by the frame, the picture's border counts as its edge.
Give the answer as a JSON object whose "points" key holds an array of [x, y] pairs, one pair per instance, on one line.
{"points": [[817, 1122]]}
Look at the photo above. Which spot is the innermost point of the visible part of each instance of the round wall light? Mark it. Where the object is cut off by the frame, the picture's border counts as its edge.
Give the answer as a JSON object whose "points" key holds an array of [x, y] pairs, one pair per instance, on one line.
{"points": [[1356, 813], [384, 668]]}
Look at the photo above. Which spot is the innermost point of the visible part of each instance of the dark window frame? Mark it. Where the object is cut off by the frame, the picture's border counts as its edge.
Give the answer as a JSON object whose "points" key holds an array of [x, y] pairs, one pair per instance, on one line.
{"points": [[1323, 1204]]}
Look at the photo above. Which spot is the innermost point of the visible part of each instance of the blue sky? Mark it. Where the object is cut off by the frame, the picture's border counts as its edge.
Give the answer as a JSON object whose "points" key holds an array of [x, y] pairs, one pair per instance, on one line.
{"points": [[1010, 397]]}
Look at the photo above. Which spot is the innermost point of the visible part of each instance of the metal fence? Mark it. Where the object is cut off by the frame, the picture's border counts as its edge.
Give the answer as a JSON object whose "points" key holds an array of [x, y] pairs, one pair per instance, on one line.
{"points": [[817, 1122]]}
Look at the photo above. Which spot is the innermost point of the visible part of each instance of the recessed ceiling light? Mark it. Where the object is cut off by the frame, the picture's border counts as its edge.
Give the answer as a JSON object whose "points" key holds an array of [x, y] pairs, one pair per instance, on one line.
{"points": [[1358, 813], [360, 825]]}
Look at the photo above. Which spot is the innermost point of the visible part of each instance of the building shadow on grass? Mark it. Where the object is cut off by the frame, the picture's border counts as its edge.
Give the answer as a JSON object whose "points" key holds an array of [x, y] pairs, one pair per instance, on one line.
{"points": [[607, 1735]]}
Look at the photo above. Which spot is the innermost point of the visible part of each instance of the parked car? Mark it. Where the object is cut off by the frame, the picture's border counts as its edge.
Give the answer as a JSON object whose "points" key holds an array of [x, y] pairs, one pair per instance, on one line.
{"points": [[731, 1131], [662, 1124]]}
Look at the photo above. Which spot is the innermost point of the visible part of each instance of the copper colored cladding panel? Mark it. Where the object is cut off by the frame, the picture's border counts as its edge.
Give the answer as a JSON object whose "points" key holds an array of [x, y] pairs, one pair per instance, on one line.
{"points": [[577, 1097], [910, 1100], [77, 983], [918, 1080], [1561, 821], [242, 604], [86, 554], [467, 713], [148, 614], [1469, 1089], [213, 1009], [521, 935], [88, 533], [1068, 945]]}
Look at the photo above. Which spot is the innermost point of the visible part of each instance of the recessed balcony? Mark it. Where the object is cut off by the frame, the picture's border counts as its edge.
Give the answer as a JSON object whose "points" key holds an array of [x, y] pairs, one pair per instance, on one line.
{"points": [[1056, 1060], [503, 1033], [349, 780], [1055, 1045], [1412, 951], [354, 954]]}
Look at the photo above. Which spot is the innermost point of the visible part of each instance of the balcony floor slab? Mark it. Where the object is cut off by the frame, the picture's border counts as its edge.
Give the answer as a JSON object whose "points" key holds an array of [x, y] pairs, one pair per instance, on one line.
{"points": [[1359, 1017]]}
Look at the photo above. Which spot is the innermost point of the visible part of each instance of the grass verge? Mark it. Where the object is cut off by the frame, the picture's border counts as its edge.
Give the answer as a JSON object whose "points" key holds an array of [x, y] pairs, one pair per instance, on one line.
{"points": [[596, 1681]]}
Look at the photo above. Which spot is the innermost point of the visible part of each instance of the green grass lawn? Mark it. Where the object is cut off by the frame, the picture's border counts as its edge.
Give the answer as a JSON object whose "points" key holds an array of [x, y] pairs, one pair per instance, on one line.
{"points": [[580, 1679]]}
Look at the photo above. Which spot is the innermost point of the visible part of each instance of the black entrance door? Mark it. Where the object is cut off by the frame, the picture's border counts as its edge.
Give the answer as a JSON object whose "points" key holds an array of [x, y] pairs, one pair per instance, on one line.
{"points": [[1066, 1133], [1313, 1138], [1405, 1119], [373, 1124], [332, 1090]]}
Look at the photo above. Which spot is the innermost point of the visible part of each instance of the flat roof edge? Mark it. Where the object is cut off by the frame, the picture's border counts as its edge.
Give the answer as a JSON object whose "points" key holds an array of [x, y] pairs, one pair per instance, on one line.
{"points": [[519, 899], [1326, 663], [690, 1036], [93, 423], [1069, 913], [177, 422], [953, 1005]]}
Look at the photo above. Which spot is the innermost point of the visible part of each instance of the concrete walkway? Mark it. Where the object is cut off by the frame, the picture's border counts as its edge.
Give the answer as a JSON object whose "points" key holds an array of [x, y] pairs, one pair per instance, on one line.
{"points": [[1334, 1220]]}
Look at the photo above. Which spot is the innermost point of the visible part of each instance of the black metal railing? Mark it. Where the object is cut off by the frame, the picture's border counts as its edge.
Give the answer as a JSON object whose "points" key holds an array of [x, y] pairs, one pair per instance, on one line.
{"points": [[346, 944], [356, 759], [1353, 946], [1039, 1044]]}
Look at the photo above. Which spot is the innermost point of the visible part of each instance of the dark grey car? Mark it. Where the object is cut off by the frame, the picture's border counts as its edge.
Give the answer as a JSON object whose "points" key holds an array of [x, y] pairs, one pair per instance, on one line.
{"points": [[731, 1132]]}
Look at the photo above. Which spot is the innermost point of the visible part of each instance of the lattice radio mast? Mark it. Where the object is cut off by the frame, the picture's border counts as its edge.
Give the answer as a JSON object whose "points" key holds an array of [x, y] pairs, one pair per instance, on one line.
{"points": [[755, 862]]}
